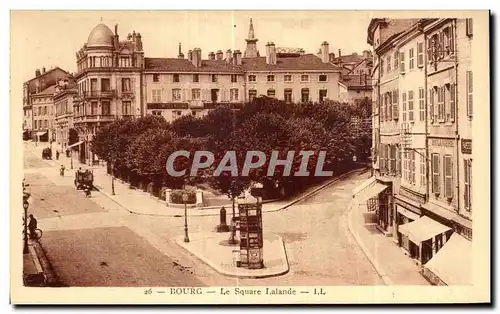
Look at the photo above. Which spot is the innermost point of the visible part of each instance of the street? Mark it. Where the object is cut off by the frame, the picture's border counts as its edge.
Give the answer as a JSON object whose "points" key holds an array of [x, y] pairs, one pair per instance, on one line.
{"points": [[95, 242]]}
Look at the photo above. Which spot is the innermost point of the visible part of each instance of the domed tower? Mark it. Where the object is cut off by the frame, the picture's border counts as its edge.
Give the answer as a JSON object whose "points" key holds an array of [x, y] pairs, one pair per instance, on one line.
{"points": [[251, 49], [100, 46]]}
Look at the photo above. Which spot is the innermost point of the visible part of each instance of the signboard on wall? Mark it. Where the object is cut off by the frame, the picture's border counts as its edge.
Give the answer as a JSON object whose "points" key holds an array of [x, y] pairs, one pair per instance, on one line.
{"points": [[466, 146]]}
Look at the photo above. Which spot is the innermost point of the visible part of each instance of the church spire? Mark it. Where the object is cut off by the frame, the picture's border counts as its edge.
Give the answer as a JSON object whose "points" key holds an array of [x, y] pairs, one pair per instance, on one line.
{"points": [[251, 49]]}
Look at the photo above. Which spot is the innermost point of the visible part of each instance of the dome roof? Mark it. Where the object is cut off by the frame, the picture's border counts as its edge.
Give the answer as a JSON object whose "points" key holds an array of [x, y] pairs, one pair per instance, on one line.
{"points": [[100, 36]]}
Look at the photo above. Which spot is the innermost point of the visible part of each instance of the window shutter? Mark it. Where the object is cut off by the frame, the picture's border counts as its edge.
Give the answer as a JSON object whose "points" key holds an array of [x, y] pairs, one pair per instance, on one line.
{"points": [[205, 95], [467, 190], [402, 61], [441, 45], [469, 93], [389, 106], [410, 106], [398, 160], [395, 104], [223, 95], [451, 41], [435, 173], [396, 60], [452, 101], [469, 27], [448, 177], [413, 166], [420, 54], [404, 106], [443, 115], [429, 50]]}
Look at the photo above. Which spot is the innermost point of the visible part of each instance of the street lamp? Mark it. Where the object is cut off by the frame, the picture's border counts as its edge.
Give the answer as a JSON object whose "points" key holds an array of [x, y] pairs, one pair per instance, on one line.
{"points": [[112, 180], [26, 196], [71, 157], [185, 199], [232, 237]]}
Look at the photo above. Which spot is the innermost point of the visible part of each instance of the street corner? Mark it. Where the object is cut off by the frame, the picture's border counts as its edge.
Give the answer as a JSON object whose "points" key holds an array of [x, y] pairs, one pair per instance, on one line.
{"points": [[213, 249]]}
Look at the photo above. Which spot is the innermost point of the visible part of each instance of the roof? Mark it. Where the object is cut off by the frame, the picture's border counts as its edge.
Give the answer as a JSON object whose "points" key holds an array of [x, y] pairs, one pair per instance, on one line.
{"points": [[352, 58], [49, 91], [100, 36], [46, 73], [184, 65], [303, 62], [361, 80]]}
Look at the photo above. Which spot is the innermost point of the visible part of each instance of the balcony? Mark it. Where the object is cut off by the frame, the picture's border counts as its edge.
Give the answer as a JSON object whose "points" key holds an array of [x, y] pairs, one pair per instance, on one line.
{"points": [[127, 95], [93, 118], [95, 94]]}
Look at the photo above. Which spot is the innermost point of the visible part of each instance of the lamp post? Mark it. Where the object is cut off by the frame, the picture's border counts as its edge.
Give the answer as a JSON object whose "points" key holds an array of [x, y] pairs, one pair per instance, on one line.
{"points": [[71, 157], [112, 180], [185, 199], [26, 196], [232, 237]]}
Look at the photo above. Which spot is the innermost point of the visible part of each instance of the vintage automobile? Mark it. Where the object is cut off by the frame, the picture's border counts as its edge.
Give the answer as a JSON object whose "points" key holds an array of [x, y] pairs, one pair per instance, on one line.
{"points": [[47, 153], [84, 179]]}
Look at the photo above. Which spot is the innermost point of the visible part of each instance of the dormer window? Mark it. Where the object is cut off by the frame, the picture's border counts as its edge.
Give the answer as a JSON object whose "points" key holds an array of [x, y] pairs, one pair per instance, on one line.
{"points": [[270, 78], [124, 62], [304, 78]]}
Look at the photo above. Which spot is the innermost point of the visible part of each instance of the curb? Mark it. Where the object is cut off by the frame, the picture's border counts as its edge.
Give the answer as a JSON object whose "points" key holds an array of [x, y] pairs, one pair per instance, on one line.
{"points": [[387, 281], [284, 207], [180, 242]]}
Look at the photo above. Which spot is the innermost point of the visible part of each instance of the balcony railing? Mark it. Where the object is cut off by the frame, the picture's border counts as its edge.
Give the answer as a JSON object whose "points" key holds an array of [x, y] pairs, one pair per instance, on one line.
{"points": [[99, 94], [93, 118]]}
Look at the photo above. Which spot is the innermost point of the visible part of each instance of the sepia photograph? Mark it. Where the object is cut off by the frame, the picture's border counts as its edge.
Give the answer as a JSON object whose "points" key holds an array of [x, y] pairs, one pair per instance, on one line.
{"points": [[236, 157]]}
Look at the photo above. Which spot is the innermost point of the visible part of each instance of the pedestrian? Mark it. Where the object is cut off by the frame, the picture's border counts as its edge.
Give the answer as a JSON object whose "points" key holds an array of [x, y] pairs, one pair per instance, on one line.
{"points": [[32, 225], [61, 171], [57, 155]]}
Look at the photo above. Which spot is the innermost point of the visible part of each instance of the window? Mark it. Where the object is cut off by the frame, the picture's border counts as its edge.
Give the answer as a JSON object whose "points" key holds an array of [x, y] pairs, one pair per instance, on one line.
{"points": [[214, 95], [287, 78], [39, 111], [35, 126], [304, 78], [176, 94], [156, 112], [441, 103], [215, 78], [124, 62], [450, 43], [402, 62], [323, 78], [468, 23], [422, 170], [45, 124], [435, 173], [195, 94], [252, 93], [288, 95], [105, 85], [382, 108], [252, 78], [420, 54], [412, 167], [93, 108], [421, 103], [106, 108], [448, 176], [270, 78], [381, 66], [126, 85], [468, 184], [156, 95], [388, 107], [406, 168], [398, 160], [323, 93], [411, 58], [468, 78], [304, 94], [233, 94], [395, 104], [396, 60], [234, 78], [156, 78], [271, 92], [404, 107], [389, 64], [451, 115], [431, 105], [176, 113], [176, 78], [196, 78], [126, 107], [393, 159], [411, 117]]}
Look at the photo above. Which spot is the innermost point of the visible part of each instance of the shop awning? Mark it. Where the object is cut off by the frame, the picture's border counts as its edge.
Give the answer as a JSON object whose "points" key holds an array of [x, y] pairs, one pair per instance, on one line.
{"points": [[41, 133], [372, 191], [422, 229], [363, 186], [453, 262], [75, 144]]}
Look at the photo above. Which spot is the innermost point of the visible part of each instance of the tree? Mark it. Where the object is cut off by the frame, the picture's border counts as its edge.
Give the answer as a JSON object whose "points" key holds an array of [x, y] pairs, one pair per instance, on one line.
{"points": [[72, 136]]}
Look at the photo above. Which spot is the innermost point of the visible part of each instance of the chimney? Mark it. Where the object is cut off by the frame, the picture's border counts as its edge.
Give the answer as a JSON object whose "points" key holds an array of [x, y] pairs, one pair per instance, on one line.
{"points": [[116, 38], [211, 55], [238, 57], [270, 53], [366, 54], [302, 52], [43, 70], [325, 52], [219, 55], [195, 57], [37, 72], [228, 55], [190, 55], [180, 55], [133, 36], [199, 57], [340, 53], [138, 42], [332, 56]]}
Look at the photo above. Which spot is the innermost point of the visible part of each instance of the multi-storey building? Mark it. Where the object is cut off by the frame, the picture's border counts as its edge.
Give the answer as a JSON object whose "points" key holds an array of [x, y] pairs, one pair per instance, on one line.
{"points": [[42, 80], [65, 91], [43, 114], [108, 83], [422, 115]]}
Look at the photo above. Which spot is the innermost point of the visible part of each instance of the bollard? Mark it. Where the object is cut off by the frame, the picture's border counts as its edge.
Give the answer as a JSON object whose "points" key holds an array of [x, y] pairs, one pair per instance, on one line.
{"points": [[223, 227]]}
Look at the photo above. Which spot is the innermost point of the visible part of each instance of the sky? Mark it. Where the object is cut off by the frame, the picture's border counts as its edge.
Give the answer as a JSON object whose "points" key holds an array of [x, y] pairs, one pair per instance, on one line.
{"points": [[51, 38]]}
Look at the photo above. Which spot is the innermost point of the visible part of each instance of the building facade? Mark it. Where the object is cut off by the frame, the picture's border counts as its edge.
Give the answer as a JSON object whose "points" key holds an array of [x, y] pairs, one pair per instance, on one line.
{"points": [[108, 83], [43, 115], [65, 92], [422, 122]]}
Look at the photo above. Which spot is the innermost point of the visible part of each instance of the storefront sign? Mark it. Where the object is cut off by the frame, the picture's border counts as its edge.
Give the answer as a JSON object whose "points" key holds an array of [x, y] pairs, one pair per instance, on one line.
{"points": [[442, 142], [414, 196], [167, 106], [466, 146]]}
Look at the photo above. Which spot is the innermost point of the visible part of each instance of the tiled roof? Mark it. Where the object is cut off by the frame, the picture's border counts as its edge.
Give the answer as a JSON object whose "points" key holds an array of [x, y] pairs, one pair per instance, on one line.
{"points": [[304, 62], [48, 91], [46, 73], [184, 65], [357, 80], [352, 58]]}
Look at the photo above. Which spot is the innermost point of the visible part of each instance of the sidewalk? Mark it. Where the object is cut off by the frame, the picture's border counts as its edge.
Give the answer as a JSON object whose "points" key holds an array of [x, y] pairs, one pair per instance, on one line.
{"points": [[33, 275], [387, 258], [212, 249]]}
